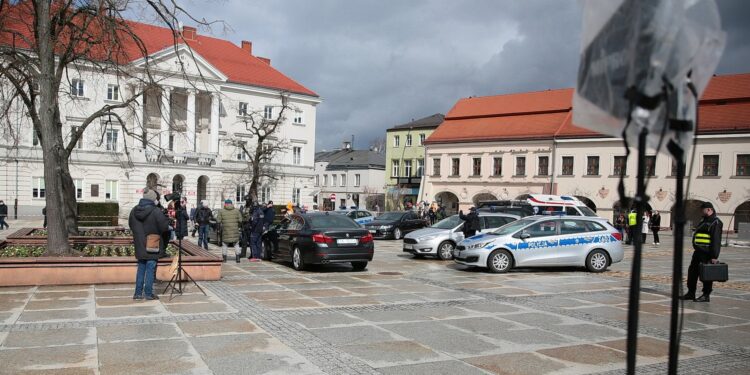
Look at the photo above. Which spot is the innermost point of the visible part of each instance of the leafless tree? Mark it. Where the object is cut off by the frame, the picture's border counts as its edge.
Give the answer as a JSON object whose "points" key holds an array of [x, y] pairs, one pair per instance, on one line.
{"points": [[41, 43], [378, 144]]}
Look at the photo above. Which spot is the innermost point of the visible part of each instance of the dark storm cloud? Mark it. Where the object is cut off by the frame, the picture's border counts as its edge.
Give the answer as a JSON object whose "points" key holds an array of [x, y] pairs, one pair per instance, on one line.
{"points": [[381, 63]]}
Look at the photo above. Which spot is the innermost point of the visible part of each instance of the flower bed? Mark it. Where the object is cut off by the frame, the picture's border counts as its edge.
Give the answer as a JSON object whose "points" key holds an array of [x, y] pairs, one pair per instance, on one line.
{"points": [[86, 250], [114, 232]]}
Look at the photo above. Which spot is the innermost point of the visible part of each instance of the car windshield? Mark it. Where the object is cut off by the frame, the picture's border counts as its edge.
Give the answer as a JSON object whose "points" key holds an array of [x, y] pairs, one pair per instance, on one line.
{"points": [[587, 211], [448, 223], [512, 227], [331, 221], [390, 216]]}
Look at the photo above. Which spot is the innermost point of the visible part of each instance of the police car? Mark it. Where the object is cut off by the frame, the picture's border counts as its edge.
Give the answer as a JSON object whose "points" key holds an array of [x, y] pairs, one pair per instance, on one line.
{"points": [[361, 217], [538, 241]]}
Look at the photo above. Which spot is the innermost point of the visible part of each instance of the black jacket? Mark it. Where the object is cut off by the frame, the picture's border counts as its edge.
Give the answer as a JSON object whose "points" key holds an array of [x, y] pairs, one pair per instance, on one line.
{"points": [[182, 228], [3, 210], [655, 222], [471, 221], [713, 227], [145, 219], [203, 215], [268, 215]]}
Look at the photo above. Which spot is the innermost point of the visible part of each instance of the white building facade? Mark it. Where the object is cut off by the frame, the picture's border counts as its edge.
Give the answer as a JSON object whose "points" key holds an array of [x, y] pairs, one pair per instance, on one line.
{"points": [[353, 178], [190, 121]]}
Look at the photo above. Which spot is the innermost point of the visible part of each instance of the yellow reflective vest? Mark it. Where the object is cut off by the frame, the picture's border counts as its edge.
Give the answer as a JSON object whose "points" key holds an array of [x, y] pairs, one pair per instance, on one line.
{"points": [[632, 219]]}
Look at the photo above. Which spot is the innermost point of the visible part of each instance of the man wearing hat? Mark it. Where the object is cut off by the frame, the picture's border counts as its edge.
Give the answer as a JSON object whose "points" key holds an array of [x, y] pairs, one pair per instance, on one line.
{"points": [[230, 220], [706, 245], [471, 222], [148, 225]]}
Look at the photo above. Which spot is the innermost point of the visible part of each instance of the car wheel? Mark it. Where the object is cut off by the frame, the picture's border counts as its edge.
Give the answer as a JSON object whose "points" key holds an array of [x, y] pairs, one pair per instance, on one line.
{"points": [[359, 266], [597, 261], [297, 262], [500, 261], [445, 250], [397, 234]]}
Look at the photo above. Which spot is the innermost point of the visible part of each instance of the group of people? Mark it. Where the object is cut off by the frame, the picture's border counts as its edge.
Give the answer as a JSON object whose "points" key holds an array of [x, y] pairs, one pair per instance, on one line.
{"points": [[249, 223], [627, 225]]}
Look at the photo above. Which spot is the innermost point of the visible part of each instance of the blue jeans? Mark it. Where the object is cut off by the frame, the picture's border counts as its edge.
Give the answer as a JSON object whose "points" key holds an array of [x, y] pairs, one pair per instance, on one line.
{"points": [[203, 236], [144, 278], [255, 244]]}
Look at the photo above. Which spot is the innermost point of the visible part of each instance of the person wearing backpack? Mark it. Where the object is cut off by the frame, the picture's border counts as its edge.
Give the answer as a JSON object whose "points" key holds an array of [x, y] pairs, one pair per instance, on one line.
{"points": [[148, 225], [203, 217]]}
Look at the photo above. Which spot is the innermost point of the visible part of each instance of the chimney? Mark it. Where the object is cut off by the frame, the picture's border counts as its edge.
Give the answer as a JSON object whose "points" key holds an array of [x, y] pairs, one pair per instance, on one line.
{"points": [[189, 33], [347, 145], [247, 46], [265, 60]]}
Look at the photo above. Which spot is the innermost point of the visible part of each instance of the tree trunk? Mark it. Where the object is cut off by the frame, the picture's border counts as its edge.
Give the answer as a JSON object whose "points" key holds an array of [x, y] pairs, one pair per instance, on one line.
{"points": [[69, 196], [51, 135]]}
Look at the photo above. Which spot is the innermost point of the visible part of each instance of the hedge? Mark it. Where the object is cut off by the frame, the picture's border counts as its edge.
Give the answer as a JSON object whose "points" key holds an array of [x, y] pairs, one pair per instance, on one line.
{"points": [[98, 214]]}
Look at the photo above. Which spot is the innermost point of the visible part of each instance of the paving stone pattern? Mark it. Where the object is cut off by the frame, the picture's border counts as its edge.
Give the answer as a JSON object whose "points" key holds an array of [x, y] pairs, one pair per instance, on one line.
{"points": [[400, 316]]}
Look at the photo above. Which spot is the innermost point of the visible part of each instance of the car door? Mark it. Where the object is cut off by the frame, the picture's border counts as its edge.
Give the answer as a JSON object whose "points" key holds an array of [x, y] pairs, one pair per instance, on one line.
{"points": [[412, 221], [364, 217], [288, 235], [537, 245], [574, 240]]}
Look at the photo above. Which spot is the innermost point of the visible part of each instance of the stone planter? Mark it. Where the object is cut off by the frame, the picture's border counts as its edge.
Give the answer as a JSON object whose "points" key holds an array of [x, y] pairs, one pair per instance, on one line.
{"points": [[46, 270]]}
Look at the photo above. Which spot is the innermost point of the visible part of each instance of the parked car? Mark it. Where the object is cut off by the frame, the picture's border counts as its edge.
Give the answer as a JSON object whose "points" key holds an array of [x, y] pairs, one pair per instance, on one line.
{"points": [[395, 224], [538, 241], [539, 204], [319, 238], [361, 217], [441, 238]]}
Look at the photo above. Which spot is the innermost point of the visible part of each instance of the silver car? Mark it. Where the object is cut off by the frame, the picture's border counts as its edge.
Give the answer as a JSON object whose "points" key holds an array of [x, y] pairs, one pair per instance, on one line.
{"points": [[537, 241], [441, 238]]}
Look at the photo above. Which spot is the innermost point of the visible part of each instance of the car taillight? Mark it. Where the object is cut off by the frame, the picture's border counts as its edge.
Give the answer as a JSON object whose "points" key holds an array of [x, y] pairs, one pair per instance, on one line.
{"points": [[322, 238], [366, 238], [617, 236]]}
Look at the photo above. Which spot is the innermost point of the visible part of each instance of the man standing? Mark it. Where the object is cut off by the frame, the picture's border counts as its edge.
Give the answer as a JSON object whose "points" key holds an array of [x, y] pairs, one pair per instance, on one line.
{"points": [[148, 224], [268, 215], [632, 222], [3, 215], [230, 220], [471, 222], [257, 224], [203, 217], [655, 223], [706, 245]]}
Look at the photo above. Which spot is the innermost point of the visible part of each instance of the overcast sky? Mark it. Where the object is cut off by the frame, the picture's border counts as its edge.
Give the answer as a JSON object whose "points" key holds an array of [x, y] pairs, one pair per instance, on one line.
{"points": [[377, 64]]}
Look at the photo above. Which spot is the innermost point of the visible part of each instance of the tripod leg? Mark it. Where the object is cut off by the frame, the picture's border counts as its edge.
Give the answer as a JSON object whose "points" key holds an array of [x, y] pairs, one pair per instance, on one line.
{"points": [[171, 283], [188, 277]]}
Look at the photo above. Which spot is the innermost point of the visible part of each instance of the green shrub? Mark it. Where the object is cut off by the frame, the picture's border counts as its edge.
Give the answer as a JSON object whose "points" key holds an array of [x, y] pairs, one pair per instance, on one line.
{"points": [[96, 214]]}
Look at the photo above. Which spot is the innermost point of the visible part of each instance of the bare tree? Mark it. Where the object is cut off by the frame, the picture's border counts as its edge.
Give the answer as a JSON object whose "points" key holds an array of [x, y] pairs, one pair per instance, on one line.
{"points": [[265, 143], [41, 43], [378, 144]]}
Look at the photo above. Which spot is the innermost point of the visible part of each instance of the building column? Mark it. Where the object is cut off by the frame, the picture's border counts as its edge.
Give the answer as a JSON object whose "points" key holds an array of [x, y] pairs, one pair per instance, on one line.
{"points": [[138, 112], [191, 119], [214, 139], [166, 117]]}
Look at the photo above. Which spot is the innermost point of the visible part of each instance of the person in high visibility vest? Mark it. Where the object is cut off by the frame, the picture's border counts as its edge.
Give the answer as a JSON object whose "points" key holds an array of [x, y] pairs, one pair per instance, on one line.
{"points": [[632, 222], [707, 245]]}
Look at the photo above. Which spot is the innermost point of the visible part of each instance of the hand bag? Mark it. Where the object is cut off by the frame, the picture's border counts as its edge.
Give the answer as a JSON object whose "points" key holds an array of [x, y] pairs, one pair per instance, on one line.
{"points": [[713, 272], [153, 243]]}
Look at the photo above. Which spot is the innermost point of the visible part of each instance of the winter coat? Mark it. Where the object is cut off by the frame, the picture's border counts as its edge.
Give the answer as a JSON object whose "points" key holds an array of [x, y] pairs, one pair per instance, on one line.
{"points": [[268, 215], [203, 215], [181, 229], [257, 219], [230, 220], [471, 221], [145, 219], [3, 210], [655, 222]]}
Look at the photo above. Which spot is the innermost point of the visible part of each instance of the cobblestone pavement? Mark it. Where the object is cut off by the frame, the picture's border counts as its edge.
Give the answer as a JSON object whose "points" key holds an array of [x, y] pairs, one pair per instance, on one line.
{"points": [[400, 316]]}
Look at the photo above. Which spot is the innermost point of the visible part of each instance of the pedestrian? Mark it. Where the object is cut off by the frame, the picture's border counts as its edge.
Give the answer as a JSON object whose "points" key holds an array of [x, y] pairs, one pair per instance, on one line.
{"points": [[377, 208], [193, 210], [171, 214], [471, 222], [230, 220], [148, 224], [44, 213], [257, 223], [203, 217], [655, 224], [706, 246], [644, 227], [440, 214], [432, 215], [620, 223], [3, 215], [181, 220], [632, 222], [268, 215]]}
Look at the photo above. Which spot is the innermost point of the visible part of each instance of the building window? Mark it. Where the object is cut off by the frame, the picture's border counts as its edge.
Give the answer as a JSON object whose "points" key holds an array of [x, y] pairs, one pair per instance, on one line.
{"points": [[394, 168], [497, 166], [34, 138], [37, 187], [592, 166], [476, 166], [421, 139], [296, 192], [239, 193], [408, 140], [111, 138], [79, 187], [710, 165], [111, 190], [317, 180], [520, 166], [334, 180], [567, 165], [420, 167], [357, 180], [296, 155], [396, 141], [241, 155], [743, 165], [265, 194], [268, 112], [242, 109], [297, 117], [543, 166], [455, 166], [620, 166], [325, 180], [343, 180], [650, 166], [76, 88], [113, 92], [407, 168], [436, 167]]}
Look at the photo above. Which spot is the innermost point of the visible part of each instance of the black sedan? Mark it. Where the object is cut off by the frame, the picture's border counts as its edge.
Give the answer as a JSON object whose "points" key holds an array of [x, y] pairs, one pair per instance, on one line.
{"points": [[395, 224], [319, 238]]}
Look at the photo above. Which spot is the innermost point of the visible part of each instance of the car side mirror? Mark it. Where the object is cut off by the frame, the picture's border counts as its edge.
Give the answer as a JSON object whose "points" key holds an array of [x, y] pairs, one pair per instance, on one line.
{"points": [[524, 235]]}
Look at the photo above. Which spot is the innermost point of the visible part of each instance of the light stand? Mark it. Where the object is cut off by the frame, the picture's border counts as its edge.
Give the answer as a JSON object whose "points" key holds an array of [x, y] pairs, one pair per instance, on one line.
{"points": [[181, 275]]}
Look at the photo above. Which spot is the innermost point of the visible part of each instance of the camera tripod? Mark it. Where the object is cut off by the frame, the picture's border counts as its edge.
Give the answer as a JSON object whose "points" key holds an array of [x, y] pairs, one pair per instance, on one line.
{"points": [[181, 275]]}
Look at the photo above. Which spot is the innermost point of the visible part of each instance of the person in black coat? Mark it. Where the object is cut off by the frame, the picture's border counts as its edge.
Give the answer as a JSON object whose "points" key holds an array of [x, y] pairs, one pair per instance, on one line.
{"points": [[655, 224], [146, 219], [706, 245], [471, 222], [3, 215], [268, 215], [181, 220]]}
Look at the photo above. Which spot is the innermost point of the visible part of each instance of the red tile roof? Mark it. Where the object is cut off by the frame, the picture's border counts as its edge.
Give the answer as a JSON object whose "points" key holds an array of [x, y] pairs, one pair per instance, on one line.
{"points": [[724, 108], [237, 64]]}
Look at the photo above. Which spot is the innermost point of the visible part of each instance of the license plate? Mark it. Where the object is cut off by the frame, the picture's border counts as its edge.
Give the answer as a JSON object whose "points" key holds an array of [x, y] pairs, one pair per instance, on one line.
{"points": [[373, 231], [348, 241]]}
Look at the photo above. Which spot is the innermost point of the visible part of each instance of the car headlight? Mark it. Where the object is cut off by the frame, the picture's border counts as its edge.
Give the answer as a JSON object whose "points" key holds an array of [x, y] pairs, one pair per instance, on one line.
{"points": [[478, 245], [386, 227], [426, 238]]}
